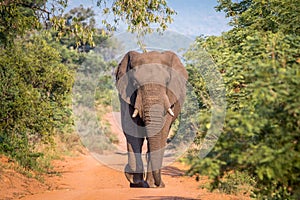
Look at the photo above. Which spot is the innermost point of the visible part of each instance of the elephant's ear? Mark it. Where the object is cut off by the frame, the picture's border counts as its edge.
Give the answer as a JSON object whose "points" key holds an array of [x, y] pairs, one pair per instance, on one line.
{"points": [[177, 84], [123, 82]]}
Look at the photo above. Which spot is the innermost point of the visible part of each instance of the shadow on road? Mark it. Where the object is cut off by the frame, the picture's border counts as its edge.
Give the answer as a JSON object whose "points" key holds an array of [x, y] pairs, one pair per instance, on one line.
{"points": [[162, 198], [172, 171]]}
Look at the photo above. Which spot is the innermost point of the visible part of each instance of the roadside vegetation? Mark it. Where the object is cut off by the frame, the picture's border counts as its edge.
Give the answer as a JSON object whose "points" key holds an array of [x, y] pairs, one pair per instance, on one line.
{"points": [[259, 59], [49, 58]]}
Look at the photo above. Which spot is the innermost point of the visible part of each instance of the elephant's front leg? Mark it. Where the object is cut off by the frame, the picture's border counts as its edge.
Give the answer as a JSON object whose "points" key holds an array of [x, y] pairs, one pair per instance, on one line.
{"points": [[151, 181], [134, 170], [156, 148]]}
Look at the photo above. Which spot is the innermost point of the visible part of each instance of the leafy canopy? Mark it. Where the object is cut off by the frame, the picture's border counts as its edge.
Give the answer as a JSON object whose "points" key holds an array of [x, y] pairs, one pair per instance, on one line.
{"points": [[139, 15], [20, 16]]}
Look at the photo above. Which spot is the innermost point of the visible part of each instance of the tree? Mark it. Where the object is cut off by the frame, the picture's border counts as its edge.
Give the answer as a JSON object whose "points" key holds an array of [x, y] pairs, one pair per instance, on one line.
{"points": [[259, 60], [79, 31], [20, 16], [139, 15], [274, 15]]}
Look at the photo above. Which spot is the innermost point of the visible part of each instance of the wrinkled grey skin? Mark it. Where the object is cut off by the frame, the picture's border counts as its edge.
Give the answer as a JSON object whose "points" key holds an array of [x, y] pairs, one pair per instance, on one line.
{"points": [[149, 83]]}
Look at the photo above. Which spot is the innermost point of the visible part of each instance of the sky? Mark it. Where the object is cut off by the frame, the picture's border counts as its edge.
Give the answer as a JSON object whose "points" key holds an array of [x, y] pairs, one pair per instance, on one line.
{"points": [[194, 17]]}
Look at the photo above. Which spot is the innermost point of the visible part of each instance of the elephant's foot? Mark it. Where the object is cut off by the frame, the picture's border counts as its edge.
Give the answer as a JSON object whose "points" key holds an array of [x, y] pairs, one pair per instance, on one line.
{"points": [[152, 183], [133, 178], [162, 184], [142, 184]]}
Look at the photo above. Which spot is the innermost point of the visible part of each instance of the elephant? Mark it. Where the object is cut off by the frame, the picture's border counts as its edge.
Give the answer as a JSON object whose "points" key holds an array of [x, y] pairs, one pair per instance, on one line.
{"points": [[152, 89]]}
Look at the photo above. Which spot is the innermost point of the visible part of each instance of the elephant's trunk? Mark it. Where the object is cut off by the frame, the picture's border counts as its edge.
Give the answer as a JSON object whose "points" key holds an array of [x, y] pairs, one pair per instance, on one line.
{"points": [[155, 105]]}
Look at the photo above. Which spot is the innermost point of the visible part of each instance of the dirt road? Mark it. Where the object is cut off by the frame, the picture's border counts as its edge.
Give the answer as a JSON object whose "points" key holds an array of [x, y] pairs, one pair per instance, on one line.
{"points": [[82, 177]]}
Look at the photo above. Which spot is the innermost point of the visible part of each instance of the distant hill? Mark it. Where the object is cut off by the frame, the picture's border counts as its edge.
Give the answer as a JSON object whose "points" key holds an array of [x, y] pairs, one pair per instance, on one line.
{"points": [[169, 40]]}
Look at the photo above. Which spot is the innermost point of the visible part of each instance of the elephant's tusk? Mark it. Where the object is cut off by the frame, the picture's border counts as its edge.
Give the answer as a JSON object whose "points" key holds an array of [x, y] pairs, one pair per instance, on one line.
{"points": [[135, 113], [170, 112]]}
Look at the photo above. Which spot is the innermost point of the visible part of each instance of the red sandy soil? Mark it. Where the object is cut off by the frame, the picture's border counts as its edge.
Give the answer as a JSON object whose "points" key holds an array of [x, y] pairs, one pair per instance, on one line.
{"points": [[81, 177]]}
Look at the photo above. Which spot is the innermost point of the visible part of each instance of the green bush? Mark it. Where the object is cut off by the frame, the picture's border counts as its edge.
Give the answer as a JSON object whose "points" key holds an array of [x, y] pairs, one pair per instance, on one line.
{"points": [[35, 99]]}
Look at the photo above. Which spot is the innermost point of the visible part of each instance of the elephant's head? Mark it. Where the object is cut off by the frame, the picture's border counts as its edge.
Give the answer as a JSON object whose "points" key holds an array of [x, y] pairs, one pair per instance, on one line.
{"points": [[153, 83]]}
